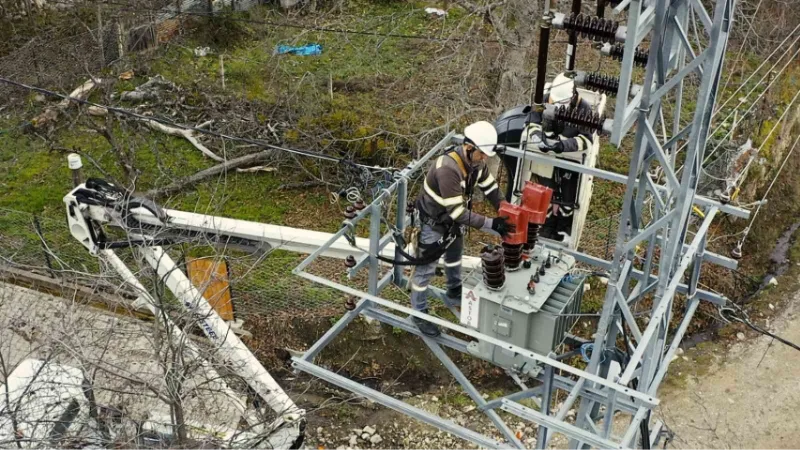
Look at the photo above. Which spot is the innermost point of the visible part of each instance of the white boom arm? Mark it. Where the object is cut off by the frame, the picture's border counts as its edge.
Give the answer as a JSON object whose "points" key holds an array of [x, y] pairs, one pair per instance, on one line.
{"points": [[83, 219]]}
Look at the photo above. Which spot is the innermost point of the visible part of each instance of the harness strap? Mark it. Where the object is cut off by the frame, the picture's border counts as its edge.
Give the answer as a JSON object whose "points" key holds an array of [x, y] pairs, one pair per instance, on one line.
{"points": [[459, 161]]}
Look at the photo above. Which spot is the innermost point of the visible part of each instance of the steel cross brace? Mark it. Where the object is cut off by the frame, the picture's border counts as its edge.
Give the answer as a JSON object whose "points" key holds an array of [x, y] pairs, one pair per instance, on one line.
{"points": [[509, 403], [542, 158], [670, 223]]}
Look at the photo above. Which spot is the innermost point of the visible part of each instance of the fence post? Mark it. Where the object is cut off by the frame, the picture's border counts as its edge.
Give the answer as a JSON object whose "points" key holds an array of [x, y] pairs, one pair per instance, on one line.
{"points": [[100, 36], [38, 227]]}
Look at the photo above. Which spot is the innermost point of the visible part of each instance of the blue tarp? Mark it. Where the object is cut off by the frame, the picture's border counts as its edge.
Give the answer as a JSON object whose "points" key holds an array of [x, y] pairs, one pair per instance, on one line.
{"points": [[303, 50]]}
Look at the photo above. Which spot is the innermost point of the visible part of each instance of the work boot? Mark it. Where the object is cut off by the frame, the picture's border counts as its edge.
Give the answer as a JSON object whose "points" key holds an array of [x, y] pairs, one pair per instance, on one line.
{"points": [[452, 299], [427, 328]]}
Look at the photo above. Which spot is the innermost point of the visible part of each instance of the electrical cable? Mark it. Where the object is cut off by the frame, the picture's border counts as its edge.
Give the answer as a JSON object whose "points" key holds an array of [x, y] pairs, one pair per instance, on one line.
{"points": [[742, 84], [752, 105], [774, 179], [766, 139], [728, 314], [169, 123]]}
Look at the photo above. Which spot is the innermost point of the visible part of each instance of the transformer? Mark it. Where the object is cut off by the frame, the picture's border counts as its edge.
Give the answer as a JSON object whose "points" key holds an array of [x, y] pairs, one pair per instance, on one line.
{"points": [[537, 319], [529, 299]]}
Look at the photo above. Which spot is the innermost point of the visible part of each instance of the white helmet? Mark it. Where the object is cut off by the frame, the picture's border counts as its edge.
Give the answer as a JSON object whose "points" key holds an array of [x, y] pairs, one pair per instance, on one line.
{"points": [[482, 135], [561, 89]]}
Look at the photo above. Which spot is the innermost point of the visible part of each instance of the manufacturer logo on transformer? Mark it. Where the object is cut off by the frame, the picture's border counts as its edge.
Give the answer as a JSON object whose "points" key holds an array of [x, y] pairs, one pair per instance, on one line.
{"points": [[469, 309]]}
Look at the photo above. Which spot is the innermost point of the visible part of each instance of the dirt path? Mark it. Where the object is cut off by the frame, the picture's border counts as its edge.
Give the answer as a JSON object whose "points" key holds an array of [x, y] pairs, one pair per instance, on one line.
{"points": [[742, 401]]}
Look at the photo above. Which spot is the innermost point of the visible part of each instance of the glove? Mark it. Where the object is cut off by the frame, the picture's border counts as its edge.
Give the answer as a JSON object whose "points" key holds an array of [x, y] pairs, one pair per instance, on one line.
{"points": [[536, 139], [546, 144], [552, 144], [501, 226]]}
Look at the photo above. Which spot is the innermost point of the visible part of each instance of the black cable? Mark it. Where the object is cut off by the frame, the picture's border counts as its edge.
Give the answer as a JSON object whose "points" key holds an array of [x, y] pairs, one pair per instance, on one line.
{"points": [[767, 333], [169, 123], [728, 314], [644, 429]]}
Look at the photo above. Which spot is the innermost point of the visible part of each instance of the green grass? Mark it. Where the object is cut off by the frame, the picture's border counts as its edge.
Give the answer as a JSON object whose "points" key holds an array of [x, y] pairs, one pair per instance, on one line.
{"points": [[33, 179]]}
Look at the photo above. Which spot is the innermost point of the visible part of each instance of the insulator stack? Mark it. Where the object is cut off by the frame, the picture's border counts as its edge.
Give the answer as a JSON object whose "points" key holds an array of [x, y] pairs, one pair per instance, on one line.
{"points": [[493, 264], [583, 120], [513, 256], [533, 237], [512, 242], [592, 27], [599, 82], [617, 51]]}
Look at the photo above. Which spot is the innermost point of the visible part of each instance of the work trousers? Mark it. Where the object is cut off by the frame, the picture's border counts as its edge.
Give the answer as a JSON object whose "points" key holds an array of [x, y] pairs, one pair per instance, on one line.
{"points": [[424, 274]]}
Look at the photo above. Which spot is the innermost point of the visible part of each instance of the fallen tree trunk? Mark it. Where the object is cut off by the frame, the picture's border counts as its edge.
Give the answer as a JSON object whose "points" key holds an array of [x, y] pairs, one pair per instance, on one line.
{"points": [[210, 172]]}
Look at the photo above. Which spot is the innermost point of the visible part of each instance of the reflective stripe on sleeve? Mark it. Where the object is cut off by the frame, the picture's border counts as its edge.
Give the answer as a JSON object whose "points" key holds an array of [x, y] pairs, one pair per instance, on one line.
{"points": [[587, 142], [457, 212], [485, 183]]}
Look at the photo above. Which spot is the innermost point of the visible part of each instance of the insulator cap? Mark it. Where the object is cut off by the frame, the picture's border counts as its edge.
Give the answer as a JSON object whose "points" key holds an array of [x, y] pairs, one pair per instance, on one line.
{"points": [[350, 261], [617, 51], [583, 120], [598, 82], [592, 27]]}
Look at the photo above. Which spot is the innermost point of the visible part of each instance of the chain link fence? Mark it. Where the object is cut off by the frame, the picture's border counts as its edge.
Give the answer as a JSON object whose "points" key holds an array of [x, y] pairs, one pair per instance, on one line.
{"points": [[722, 173], [61, 58], [260, 286]]}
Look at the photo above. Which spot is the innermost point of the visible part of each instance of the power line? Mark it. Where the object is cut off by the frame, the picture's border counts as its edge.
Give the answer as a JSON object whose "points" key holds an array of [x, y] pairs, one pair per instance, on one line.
{"points": [[742, 84], [169, 123], [758, 208], [759, 82], [752, 105], [741, 49], [766, 139]]}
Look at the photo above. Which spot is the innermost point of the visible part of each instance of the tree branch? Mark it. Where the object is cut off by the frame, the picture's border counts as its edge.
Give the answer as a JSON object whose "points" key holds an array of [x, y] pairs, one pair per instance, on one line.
{"points": [[210, 172]]}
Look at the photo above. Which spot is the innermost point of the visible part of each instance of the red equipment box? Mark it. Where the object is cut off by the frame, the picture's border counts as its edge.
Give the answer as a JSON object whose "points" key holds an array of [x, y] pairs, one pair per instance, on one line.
{"points": [[535, 201], [517, 217]]}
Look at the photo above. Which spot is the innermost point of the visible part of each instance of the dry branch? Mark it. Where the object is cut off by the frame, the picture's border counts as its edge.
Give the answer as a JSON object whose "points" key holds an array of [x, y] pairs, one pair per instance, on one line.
{"points": [[189, 135], [210, 172], [79, 93], [50, 115], [186, 134]]}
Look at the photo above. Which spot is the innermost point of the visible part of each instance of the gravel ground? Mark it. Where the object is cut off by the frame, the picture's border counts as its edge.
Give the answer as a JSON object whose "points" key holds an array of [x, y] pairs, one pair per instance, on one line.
{"points": [[747, 399]]}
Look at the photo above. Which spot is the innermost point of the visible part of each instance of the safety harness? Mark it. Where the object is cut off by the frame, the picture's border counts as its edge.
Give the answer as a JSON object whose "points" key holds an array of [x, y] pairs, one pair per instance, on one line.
{"points": [[429, 253]]}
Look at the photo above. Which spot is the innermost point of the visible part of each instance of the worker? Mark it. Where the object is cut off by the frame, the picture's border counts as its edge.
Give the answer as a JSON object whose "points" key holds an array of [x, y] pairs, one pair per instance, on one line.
{"points": [[444, 207], [558, 140]]}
